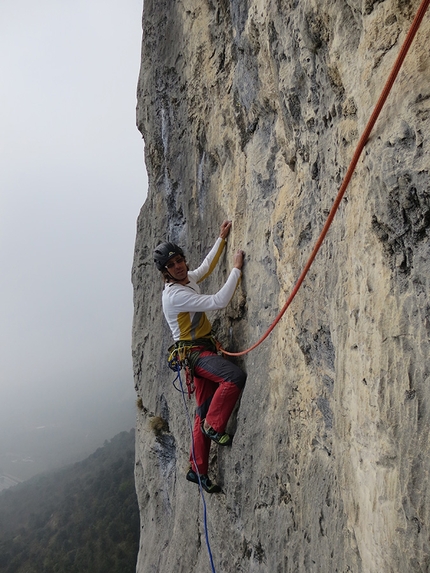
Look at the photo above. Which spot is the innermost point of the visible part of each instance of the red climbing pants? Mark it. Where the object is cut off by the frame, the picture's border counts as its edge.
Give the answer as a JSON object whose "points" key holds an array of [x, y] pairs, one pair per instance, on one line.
{"points": [[218, 384]]}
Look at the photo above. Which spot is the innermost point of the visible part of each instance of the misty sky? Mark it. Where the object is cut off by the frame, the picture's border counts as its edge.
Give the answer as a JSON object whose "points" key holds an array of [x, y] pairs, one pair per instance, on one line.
{"points": [[72, 181]]}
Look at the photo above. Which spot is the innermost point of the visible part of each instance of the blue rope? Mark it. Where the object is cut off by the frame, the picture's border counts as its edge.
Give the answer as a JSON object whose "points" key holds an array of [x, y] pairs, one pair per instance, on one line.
{"points": [[178, 375], [190, 426]]}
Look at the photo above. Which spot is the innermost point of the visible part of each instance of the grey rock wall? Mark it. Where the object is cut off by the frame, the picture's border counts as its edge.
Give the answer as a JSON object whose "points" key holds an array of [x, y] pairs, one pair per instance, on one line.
{"points": [[251, 110]]}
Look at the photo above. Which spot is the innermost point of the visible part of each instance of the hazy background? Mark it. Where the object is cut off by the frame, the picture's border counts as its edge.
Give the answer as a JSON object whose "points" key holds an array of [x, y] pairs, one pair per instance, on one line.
{"points": [[72, 181]]}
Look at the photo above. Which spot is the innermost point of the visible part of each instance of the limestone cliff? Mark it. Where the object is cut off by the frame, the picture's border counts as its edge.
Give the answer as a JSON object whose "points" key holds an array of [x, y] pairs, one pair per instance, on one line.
{"points": [[251, 110]]}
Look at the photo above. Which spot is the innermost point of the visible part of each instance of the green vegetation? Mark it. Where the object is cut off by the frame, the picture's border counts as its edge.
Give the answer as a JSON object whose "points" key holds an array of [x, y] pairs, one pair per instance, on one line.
{"points": [[83, 518], [158, 425]]}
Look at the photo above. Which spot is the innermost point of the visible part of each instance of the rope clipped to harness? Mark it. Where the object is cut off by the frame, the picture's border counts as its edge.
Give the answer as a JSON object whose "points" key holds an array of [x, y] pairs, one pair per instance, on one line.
{"points": [[178, 359], [184, 355]]}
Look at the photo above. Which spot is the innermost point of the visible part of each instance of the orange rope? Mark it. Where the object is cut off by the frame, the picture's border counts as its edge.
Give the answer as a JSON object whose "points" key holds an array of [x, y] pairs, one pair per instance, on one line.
{"points": [[362, 142]]}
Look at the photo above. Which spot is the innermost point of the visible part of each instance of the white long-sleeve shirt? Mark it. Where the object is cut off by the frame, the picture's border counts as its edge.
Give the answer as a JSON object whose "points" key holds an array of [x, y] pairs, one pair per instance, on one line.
{"points": [[185, 307]]}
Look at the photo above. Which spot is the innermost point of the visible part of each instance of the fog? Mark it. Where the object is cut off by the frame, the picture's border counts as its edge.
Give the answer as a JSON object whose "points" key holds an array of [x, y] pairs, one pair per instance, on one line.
{"points": [[71, 185]]}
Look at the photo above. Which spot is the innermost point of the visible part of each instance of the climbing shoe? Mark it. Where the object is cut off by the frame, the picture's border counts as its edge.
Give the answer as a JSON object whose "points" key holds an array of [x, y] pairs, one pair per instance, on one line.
{"points": [[220, 439], [207, 485]]}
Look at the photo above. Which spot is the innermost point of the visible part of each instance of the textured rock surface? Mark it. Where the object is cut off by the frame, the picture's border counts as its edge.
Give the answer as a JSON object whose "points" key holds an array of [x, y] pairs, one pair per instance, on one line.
{"points": [[250, 110]]}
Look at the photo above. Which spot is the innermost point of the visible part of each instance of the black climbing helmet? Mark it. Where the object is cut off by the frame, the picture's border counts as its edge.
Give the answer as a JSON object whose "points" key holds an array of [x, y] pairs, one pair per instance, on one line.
{"points": [[164, 252]]}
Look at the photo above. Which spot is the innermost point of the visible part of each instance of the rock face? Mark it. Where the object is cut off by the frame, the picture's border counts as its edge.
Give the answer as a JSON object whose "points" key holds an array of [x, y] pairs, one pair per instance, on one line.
{"points": [[251, 111]]}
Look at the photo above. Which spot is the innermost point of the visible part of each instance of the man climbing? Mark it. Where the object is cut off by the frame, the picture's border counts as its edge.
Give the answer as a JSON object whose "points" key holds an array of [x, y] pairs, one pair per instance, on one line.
{"points": [[217, 381]]}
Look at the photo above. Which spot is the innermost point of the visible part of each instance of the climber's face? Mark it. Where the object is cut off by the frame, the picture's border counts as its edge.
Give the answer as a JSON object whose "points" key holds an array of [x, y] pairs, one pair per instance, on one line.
{"points": [[177, 268]]}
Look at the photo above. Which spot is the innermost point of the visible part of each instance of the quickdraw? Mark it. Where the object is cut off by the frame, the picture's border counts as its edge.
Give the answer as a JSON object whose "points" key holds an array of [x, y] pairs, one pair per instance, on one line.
{"points": [[184, 354]]}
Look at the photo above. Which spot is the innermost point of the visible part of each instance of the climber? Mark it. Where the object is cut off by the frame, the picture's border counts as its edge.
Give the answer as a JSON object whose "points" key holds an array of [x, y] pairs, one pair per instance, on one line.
{"points": [[217, 381]]}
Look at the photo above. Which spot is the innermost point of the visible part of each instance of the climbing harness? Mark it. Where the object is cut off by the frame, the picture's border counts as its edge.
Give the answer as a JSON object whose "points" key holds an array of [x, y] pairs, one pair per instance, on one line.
{"points": [[190, 427], [185, 353], [360, 146]]}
